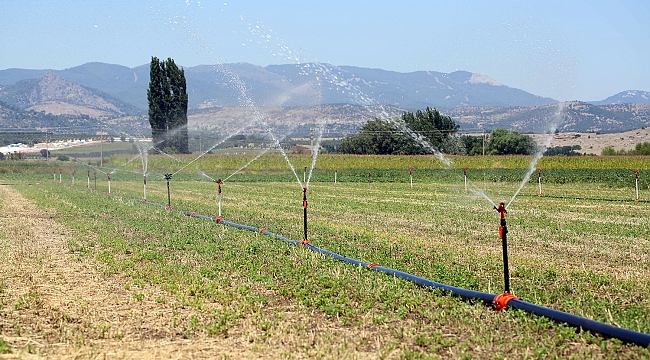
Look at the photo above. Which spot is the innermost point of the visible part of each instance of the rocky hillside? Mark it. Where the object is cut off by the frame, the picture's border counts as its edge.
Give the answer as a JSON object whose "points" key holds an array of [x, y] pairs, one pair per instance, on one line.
{"points": [[55, 95], [569, 116]]}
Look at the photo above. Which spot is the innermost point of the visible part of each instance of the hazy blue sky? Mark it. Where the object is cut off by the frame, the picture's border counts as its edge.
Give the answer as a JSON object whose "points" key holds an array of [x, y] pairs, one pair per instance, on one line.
{"points": [[585, 50]]}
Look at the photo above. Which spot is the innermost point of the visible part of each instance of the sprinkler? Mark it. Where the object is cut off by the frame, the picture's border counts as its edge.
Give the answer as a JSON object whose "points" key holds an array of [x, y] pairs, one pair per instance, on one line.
{"points": [[503, 231], [304, 175], [411, 177], [219, 182], [636, 172], [95, 173], [109, 183], [304, 206], [336, 172], [465, 174], [144, 193], [168, 177], [88, 179], [60, 176], [72, 177], [369, 180], [54, 175], [539, 180]]}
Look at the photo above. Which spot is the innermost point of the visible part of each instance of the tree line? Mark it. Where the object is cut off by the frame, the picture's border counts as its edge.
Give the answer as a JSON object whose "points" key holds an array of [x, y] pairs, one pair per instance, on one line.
{"points": [[424, 131]]}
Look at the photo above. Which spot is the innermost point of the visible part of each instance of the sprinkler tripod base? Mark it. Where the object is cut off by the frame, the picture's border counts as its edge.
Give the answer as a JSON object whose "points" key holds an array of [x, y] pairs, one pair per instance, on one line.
{"points": [[168, 207], [303, 242], [540, 195], [218, 219]]}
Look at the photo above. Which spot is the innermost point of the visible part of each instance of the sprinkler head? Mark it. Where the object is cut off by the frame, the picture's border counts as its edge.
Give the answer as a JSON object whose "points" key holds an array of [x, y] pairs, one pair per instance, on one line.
{"points": [[219, 181], [502, 210], [168, 177]]}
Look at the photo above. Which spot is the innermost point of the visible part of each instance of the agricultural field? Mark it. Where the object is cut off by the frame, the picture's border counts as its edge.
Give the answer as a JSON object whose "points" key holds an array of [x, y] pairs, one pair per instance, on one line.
{"points": [[86, 275]]}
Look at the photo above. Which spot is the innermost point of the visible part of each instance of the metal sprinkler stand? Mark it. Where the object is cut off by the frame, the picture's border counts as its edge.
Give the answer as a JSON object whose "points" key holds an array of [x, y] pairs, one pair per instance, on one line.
{"points": [[144, 192], [503, 231], [539, 180], [636, 172], [168, 177], [411, 177], [304, 206], [465, 174], [95, 173], [60, 176], [109, 183], [219, 182], [88, 179], [73, 170]]}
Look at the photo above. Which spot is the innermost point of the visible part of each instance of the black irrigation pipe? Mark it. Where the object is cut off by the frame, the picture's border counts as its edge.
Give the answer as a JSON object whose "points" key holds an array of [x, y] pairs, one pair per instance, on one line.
{"points": [[608, 330]]}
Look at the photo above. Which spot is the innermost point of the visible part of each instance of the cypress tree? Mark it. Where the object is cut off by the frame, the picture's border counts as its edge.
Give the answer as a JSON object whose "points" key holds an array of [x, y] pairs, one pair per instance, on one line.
{"points": [[167, 95]]}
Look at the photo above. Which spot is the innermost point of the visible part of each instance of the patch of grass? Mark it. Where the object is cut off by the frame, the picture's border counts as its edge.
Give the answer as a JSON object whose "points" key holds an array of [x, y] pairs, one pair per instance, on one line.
{"points": [[4, 347], [559, 252]]}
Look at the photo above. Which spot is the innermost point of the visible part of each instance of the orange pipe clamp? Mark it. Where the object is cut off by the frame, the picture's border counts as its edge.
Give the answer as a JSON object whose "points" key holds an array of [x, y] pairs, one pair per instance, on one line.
{"points": [[501, 301]]}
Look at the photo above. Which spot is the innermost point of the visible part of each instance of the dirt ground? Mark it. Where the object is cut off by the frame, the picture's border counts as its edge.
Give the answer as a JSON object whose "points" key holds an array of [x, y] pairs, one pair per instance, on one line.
{"points": [[592, 143], [56, 304]]}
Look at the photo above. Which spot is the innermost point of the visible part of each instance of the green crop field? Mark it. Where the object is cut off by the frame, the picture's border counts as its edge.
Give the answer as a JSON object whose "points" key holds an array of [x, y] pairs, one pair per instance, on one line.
{"points": [[586, 257]]}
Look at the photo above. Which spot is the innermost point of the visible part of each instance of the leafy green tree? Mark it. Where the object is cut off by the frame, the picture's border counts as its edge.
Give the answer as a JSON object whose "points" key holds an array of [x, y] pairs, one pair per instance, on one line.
{"points": [[411, 135], [432, 126], [167, 96], [381, 137], [641, 149], [473, 144], [504, 142], [608, 151]]}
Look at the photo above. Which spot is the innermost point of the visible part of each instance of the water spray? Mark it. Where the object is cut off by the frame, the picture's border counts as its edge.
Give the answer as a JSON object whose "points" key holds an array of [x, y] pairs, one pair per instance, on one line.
{"points": [[539, 180], [503, 231], [636, 172], [168, 177], [411, 177], [465, 174], [219, 182]]}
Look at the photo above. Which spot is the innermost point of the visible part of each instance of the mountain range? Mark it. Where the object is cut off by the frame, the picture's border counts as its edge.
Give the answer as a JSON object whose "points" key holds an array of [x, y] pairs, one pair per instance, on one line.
{"points": [[105, 91]]}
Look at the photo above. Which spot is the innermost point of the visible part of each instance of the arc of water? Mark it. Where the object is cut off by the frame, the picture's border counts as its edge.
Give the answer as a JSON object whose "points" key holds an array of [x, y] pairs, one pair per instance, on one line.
{"points": [[540, 150], [248, 163], [477, 191], [206, 175], [213, 146], [532, 168], [277, 144], [316, 150]]}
